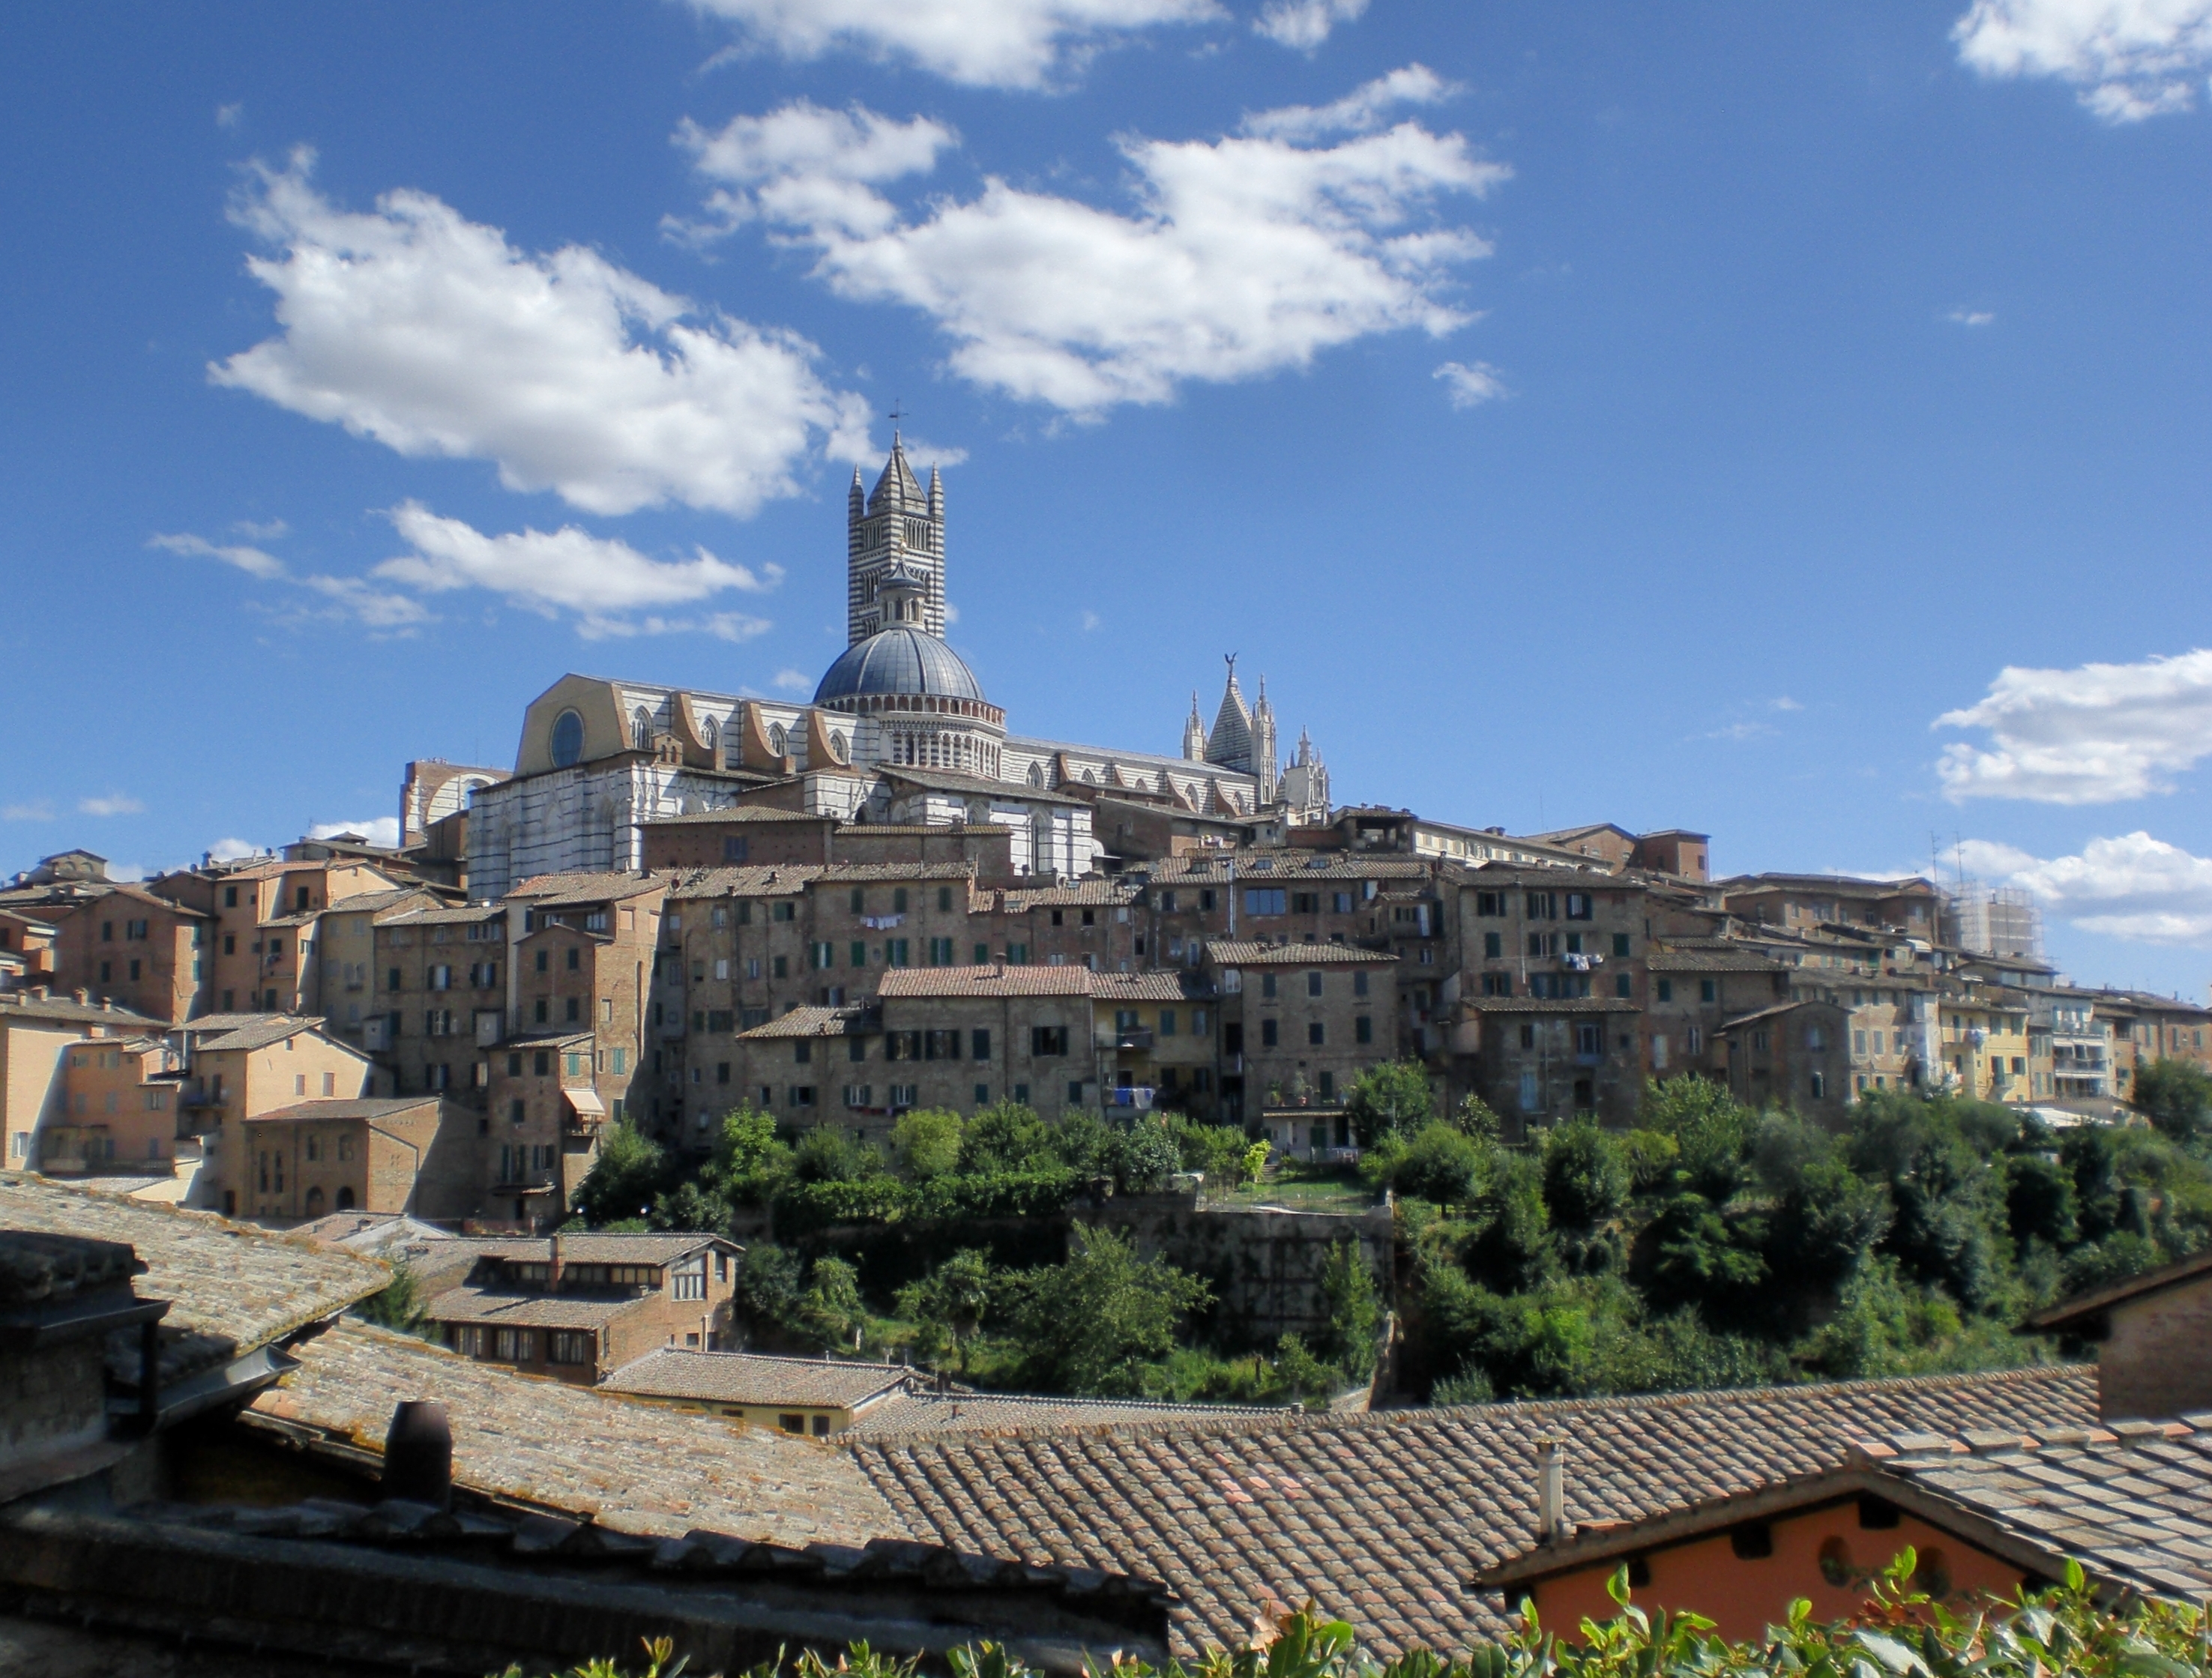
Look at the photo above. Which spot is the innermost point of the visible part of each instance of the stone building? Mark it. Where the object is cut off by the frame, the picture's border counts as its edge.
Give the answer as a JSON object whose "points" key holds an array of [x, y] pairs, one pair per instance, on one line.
{"points": [[139, 951], [238, 1067], [1298, 1022], [418, 1155], [900, 730]]}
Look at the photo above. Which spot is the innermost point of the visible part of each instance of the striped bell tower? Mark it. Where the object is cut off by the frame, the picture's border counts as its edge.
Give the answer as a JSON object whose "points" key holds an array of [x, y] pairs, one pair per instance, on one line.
{"points": [[897, 526]]}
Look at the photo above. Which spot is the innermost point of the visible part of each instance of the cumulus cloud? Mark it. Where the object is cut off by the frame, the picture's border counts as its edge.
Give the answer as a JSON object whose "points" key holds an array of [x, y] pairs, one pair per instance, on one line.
{"points": [[2092, 735], [376, 831], [1364, 109], [435, 337], [980, 43], [232, 850], [600, 580], [228, 116], [2130, 59], [345, 597], [2132, 887], [1304, 25], [1971, 317], [792, 681], [1469, 384], [115, 804], [1245, 255]]}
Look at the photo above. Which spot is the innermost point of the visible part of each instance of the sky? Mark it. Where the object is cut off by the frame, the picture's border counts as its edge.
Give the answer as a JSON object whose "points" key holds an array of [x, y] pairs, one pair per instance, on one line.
{"points": [[1785, 422]]}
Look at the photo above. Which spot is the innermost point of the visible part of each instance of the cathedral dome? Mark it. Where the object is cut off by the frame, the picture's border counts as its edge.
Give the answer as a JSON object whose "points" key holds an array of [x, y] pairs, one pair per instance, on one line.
{"points": [[899, 661]]}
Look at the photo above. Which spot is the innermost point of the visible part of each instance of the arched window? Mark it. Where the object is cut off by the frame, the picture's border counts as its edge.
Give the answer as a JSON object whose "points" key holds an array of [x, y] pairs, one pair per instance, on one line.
{"points": [[568, 739], [640, 730], [775, 738], [842, 747], [345, 1200], [1036, 775], [711, 732], [315, 1207]]}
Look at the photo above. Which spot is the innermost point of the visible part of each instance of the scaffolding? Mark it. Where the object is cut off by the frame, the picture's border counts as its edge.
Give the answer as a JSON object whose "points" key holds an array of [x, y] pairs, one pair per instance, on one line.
{"points": [[1999, 921]]}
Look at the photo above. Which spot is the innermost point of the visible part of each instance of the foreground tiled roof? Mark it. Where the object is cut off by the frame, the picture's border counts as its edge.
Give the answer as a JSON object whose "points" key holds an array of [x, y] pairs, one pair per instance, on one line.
{"points": [[748, 1378], [640, 1468], [922, 1411], [1382, 1518], [2132, 1503], [232, 1287]]}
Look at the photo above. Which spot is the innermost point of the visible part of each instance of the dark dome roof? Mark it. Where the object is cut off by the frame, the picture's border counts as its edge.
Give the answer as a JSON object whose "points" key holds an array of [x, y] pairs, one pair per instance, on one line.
{"points": [[900, 659]]}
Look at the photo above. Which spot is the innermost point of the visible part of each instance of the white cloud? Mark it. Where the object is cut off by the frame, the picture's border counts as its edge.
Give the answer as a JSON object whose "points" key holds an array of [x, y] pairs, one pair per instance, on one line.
{"points": [[2132, 887], [1305, 24], [115, 803], [2130, 58], [1364, 109], [349, 597], [1092, 621], [981, 43], [232, 850], [435, 337], [1470, 386], [226, 116], [262, 532], [2092, 735], [1741, 731], [598, 579], [39, 811], [1785, 703], [1971, 317], [792, 681], [1246, 255], [377, 830], [251, 561]]}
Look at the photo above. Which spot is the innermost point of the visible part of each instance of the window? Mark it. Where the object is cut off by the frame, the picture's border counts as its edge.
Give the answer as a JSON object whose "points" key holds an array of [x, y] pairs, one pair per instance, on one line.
{"points": [[781, 967], [941, 1045], [820, 955], [1621, 944], [898, 901], [1267, 986], [1589, 1040], [515, 1346], [570, 1346], [1543, 906], [1269, 1034], [1075, 1092], [1623, 985], [1581, 905], [983, 954], [859, 953], [1047, 1040], [802, 1095], [690, 1279], [1490, 902], [784, 909], [802, 1053], [1198, 1023], [230, 897], [895, 952], [1494, 945], [1498, 984], [1306, 902], [902, 1045], [945, 898], [1663, 989], [1314, 1033], [902, 1096], [856, 1049], [1363, 1029], [568, 741], [1820, 1085], [979, 1044], [1264, 900], [940, 953], [857, 1095], [1709, 990], [1543, 944], [1167, 1022]]}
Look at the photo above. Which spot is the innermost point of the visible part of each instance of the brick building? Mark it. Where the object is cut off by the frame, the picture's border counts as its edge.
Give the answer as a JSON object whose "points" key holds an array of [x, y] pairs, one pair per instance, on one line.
{"points": [[1298, 1021], [419, 1155]]}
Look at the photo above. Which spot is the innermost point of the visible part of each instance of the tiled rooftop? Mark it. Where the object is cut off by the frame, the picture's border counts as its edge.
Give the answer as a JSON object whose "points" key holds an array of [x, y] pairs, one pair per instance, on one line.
{"points": [[1155, 986], [65, 1011], [922, 1411], [813, 1022], [594, 1248], [1382, 1518], [505, 1307], [952, 981], [1224, 953], [640, 1468], [310, 1112], [550, 890], [748, 1378], [233, 1286]]}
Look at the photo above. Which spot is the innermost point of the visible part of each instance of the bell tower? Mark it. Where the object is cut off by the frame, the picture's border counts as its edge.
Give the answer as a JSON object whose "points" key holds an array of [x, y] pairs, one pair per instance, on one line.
{"points": [[897, 527]]}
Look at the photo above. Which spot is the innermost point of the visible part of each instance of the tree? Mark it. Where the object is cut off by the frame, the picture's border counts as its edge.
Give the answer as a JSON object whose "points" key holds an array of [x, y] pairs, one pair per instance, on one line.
{"points": [[401, 1305], [927, 1142], [1441, 1164], [750, 1164], [768, 1286], [2039, 1202], [628, 1175], [1709, 1126], [1474, 1117], [826, 1154], [687, 1206], [949, 1305], [1214, 1151], [1355, 1310], [1006, 1136], [2175, 1096], [1586, 1176], [830, 1310], [1144, 1157], [1387, 1098], [1091, 1324]]}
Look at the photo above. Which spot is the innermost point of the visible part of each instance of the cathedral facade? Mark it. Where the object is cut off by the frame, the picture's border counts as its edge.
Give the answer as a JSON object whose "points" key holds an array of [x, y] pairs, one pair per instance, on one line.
{"points": [[900, 730]]}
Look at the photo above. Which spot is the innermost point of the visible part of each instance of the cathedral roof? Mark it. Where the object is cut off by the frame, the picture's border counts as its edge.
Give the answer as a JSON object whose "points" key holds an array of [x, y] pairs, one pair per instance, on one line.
{"points": [[1229, 742], [898, 480], [899, 660]]}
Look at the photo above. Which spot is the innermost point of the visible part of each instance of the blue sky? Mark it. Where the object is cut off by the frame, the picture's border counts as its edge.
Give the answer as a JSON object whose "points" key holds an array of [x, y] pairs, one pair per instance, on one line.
{"points": [[1786, 423]]}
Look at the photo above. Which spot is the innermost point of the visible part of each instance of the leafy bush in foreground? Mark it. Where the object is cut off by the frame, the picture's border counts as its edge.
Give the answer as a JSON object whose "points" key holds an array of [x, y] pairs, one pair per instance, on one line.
{"points": [[2062, 1633]]}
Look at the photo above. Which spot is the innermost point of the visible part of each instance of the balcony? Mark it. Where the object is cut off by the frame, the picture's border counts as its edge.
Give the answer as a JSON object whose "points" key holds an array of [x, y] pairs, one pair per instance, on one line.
{"points": [[1125, 1041], [1138, 1097]]}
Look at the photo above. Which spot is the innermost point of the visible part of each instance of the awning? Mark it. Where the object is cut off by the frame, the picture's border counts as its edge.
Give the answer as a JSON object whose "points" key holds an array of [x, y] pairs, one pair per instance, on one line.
{"points": [[585, 1102]]}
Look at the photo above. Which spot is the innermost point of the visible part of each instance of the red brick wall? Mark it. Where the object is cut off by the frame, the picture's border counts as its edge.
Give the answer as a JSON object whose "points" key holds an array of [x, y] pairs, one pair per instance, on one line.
{"points": [[2158, 1360]]}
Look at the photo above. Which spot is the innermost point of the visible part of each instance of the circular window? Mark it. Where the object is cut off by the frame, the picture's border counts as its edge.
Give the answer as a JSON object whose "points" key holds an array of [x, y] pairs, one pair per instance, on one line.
{"points": [[568, 739], [840, 745]]}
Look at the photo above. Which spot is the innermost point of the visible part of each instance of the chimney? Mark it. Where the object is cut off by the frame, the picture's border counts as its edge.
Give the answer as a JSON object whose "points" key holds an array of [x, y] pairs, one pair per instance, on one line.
{"points": [[418, 1454], [1552, 1492], [553, 1269], [83, 996]]}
